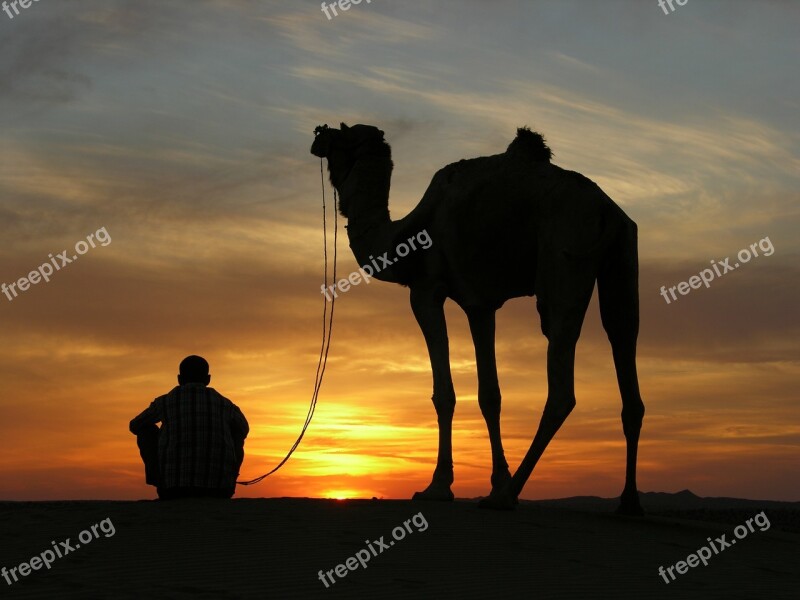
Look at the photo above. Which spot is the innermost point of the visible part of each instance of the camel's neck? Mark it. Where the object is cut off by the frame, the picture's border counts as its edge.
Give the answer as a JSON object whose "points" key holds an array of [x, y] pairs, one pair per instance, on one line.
{"points": [[364, 201]]}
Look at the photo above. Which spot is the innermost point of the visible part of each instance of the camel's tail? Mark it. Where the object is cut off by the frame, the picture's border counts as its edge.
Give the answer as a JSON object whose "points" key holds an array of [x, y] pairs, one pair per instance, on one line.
{"points": [[530, 144], [618, 284]]}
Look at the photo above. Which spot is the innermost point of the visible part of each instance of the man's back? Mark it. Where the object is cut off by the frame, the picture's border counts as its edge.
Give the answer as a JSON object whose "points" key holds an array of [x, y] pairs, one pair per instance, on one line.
{"points": [[200, 440]]}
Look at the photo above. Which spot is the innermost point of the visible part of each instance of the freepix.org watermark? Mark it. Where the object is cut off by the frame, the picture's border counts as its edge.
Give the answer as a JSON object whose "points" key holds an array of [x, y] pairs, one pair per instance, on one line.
{"points": [[706, 276], [343, 5], [366, 272], [56, 263], [663, 4], [60, 550], [704, 553], [7, 6], [363, 556]]}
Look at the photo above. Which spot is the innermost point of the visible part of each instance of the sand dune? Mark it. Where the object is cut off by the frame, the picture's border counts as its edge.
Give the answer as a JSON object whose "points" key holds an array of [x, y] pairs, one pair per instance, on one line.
{"points": [[275, 548]]}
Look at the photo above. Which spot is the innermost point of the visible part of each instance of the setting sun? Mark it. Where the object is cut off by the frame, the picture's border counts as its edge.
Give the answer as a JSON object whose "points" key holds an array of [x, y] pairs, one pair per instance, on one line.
{"points": [[342, 494]]}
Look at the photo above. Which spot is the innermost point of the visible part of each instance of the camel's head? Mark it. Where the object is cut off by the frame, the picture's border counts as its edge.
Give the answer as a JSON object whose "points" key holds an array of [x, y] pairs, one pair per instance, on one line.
{"points": [[345, 141], [345, 147], [324, 140]]}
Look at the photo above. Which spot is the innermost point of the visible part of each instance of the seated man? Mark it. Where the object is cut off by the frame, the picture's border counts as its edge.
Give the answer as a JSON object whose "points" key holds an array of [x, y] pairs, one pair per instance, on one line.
{"points": [[200, 446]]}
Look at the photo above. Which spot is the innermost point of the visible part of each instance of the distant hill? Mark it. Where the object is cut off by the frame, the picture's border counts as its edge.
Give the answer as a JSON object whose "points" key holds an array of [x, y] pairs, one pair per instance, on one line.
{"points": [[684, 500], [687, 505]]}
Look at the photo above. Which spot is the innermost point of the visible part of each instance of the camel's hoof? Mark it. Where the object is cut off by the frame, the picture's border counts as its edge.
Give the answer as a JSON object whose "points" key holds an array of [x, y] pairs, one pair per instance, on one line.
{"points": [[502, 500], [500, 480], [435, 493]]}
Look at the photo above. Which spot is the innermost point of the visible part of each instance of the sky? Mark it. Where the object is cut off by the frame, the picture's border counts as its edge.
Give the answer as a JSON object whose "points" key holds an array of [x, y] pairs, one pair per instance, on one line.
{"points": [[177, 135]]}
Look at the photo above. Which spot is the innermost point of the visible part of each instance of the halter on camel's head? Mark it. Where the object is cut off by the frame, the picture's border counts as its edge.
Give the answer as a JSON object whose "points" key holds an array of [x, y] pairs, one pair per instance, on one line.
{"points": [[346, 139], [360, 150]]}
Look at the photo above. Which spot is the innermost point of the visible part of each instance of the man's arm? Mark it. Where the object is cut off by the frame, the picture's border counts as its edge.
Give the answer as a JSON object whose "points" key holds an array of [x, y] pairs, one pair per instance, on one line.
{"points": [[239, 425], [239, 431], [147, 418]]}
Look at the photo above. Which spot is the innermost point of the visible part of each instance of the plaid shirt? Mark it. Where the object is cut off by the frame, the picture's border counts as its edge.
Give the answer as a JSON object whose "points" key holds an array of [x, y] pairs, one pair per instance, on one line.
{"points": [[200, 430]]}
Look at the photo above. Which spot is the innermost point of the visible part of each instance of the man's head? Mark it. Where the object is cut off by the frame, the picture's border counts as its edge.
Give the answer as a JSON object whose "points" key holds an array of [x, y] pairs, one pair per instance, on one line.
{"points": [[193, 369]]}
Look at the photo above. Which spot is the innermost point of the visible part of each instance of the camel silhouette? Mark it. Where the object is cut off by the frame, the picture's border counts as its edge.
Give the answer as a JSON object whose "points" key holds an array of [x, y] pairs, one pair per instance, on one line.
{"points": [[502, 226]]}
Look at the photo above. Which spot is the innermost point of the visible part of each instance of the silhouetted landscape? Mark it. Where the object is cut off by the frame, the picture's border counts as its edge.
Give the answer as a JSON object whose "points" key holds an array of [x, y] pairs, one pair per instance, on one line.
{"points": [[274, 548]]}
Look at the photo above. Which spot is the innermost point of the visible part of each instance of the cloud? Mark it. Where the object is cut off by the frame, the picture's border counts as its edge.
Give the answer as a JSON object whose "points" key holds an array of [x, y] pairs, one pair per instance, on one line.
{"points": [[185, 132]]}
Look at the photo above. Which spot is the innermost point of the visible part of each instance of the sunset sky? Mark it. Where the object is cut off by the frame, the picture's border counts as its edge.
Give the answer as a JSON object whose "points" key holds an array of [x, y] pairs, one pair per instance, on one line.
{"points": [[184, 128]]}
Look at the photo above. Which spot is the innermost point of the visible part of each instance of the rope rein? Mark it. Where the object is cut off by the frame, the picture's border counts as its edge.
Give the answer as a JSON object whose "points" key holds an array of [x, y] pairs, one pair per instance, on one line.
{"points": [[327, 325]]}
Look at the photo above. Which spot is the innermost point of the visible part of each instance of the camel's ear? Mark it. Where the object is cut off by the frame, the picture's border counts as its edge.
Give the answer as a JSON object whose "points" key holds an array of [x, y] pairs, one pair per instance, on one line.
{"points": [[344, 127]]}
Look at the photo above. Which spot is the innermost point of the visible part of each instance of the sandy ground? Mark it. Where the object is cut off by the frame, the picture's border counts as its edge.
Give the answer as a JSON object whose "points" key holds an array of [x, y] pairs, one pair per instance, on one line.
{"points": [[274, 548]]}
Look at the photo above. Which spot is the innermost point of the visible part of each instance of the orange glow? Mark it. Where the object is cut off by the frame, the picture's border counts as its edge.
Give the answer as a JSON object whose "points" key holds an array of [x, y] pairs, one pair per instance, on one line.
{"points": [[374, 432]]}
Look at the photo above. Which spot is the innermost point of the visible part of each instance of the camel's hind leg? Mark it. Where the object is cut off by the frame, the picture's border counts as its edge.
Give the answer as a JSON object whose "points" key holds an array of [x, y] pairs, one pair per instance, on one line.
{"points": [[482, 327], [565, 293], [618, 292]]}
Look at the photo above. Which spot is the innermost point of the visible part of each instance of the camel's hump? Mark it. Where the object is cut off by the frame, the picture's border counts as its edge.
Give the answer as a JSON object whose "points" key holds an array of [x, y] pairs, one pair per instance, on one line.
{"points": [[531, 145]]}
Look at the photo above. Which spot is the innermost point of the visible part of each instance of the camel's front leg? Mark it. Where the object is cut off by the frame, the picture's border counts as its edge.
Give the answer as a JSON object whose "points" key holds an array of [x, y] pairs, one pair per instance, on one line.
{"points": [[428, 308]]}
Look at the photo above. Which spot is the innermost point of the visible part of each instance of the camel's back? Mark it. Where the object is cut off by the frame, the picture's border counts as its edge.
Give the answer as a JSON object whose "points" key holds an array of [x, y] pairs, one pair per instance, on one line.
{"points": [[505, 194], [494, 217]]}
